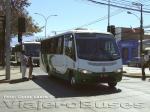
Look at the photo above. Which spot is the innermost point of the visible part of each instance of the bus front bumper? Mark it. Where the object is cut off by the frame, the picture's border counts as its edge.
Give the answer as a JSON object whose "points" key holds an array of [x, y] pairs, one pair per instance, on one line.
{"points": [[98, 77]]}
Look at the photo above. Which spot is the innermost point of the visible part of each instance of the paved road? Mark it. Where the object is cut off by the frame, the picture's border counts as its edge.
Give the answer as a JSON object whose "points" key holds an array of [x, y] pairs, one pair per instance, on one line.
{"points": [[55, 95]]}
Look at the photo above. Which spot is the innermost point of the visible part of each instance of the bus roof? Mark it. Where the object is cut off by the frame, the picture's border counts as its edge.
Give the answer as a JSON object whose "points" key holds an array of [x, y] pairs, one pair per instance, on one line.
{"points": [[147, 48], [31, 42], [78, 31], [28, 42], [87, 31]]}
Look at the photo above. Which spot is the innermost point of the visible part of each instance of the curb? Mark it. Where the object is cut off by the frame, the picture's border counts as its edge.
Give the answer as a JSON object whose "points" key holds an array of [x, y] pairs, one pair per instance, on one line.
{"points": [[134, 76], [4, 81], [17, 80], [14, 81]]}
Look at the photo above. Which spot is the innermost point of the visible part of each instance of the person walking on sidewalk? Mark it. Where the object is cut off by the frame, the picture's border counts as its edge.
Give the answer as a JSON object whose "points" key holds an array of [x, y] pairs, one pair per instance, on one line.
{"points": [[145, 64], [24, 64], [30, 67], [148, 62]]}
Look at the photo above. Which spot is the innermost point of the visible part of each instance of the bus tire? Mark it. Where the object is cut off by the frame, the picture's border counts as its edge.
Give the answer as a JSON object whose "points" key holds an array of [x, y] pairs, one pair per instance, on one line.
{"points": [[112, 84], [49, 72], [38, 64]]}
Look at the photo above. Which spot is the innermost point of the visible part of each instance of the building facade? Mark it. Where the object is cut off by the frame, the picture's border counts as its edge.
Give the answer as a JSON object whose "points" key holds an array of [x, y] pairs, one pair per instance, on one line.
{"points": [[128, 40]]}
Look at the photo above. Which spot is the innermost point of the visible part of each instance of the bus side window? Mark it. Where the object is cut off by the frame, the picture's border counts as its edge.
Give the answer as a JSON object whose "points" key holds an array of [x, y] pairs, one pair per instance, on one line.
{"points": [[53, 46], [60, 45], [69, 46]]}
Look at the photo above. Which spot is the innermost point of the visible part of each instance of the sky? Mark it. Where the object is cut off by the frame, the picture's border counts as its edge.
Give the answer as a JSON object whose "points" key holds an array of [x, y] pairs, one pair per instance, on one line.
{"points": [[75, 13]]}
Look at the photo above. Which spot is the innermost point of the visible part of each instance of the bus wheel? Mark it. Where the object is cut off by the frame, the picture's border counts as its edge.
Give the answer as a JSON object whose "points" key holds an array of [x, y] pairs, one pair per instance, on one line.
{"points": [[49, 73], [38, 64], [112, 84]]}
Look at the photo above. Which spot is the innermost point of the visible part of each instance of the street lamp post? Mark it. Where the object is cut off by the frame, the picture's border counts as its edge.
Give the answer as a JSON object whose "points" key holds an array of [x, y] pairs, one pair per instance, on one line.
{"points": [[141, 37], [46, 19]]}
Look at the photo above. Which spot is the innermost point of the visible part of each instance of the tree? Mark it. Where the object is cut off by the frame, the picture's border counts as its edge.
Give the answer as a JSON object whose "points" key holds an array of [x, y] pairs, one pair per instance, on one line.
{"points": [[19, 10]]}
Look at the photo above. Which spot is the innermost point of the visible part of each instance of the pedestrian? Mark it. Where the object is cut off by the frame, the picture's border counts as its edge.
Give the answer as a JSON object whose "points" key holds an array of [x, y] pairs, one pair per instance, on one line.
{"points": [[149, 63], [30, 67], [24, 61], [145, 64]]}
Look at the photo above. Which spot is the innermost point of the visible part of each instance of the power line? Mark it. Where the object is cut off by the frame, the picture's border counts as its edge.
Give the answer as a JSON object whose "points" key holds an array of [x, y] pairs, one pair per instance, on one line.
{"points": [[126, 3], [105, 17], [117, 2], [95, 21], [101, 3]]}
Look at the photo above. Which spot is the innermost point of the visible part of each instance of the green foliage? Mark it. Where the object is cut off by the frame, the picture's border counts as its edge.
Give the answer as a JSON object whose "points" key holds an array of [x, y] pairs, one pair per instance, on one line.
{"points": [[19, 10]]}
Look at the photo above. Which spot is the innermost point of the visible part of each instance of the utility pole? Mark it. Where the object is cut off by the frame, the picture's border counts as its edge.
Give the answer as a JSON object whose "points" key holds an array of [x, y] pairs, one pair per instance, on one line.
{"points": [[141, 44], [141, 38], [7, 38], [108, 12]]}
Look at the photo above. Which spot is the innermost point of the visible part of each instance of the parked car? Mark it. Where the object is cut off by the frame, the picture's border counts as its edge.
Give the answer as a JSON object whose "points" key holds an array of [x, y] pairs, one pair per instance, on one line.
{"points": [[134, 62]]}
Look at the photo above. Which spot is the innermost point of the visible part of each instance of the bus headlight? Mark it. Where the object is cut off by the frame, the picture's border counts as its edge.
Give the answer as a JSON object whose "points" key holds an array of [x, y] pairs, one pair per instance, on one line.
{"points": [[85, 72], [118, 70]]}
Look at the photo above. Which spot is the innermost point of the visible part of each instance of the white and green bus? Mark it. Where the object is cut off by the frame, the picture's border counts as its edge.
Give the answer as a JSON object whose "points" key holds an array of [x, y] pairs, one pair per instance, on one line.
{"points": [[31, 49], [81, 57]]}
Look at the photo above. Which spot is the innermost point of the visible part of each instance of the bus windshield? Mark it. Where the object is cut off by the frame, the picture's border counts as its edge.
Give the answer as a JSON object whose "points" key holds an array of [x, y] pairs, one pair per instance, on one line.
{"points": [[96, 47], [32, 49]]}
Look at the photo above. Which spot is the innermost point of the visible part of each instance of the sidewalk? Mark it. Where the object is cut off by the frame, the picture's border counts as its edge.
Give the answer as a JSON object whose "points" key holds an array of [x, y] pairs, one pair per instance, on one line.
{"points": [[135, 72], [15, 74]]}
